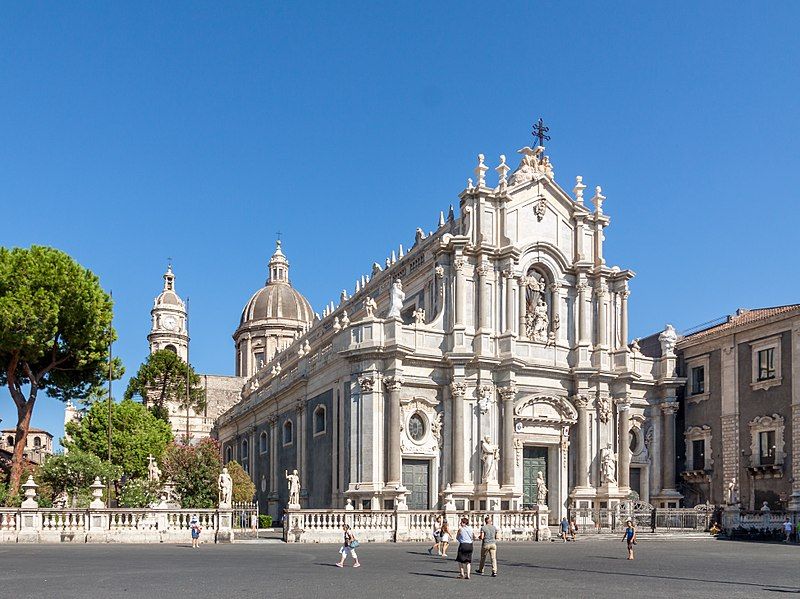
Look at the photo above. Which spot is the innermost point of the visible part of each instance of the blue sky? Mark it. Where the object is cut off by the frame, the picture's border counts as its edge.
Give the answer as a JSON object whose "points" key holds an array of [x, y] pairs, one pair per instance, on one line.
{"points": [[195, 130]]}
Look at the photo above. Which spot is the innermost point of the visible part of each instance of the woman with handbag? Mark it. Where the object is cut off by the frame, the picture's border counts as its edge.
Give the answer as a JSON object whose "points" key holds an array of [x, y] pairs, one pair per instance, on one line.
{"points": [[349, 548]]}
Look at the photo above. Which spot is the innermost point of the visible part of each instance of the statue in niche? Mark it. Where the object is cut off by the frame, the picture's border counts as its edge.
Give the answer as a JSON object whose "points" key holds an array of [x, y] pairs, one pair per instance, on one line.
{"points": [[541, 489], [396, 300], [607, 466], [490, 453], [540, 321]]}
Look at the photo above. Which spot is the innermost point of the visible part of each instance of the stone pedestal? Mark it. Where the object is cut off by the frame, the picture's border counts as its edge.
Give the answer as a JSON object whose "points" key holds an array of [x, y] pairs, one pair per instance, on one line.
{"points": [[30, 520], [542, 523], [224, 526]]}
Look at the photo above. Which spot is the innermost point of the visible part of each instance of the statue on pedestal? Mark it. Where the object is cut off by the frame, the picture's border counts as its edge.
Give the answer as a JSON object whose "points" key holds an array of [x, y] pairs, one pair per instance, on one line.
{"points": [[540, 321], [490, 453], [225, 487], [396, 300], [153, 471], [607, 466], [732, 492], [294, 487], [541, 489], [370, 305]]}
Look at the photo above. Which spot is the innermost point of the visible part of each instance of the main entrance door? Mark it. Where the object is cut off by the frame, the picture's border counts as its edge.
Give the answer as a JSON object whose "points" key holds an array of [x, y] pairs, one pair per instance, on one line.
{"points": [[534, 460], [416, 478]]}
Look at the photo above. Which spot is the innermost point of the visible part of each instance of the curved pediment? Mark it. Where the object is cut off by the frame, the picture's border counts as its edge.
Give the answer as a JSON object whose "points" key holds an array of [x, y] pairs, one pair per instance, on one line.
{"points": [[545, 408]]}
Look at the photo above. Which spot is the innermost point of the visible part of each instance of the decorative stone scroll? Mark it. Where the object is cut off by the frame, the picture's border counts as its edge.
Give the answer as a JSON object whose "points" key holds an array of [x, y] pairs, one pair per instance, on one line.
{"points": [[458, 389]]}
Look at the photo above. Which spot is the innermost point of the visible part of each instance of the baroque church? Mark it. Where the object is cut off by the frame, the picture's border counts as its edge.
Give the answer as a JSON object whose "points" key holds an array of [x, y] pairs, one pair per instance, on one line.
{"points": [[489, 359]]}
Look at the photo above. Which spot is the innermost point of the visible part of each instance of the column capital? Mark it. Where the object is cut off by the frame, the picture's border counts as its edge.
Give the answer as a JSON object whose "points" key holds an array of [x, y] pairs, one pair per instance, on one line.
{"points": [[509, 392], [625, 293], [581, 286], [669, 407], [392, 383], [623, 403], [554, 286], [458, 264], [458, 389], [581, 402], [367, 383], [509, 274], [483, 269], [300, 406], [600, 290]]}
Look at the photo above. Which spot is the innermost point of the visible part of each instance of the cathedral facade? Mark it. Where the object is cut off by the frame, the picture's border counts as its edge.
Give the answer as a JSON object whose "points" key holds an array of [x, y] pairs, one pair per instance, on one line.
{"points": [[489, 360]]}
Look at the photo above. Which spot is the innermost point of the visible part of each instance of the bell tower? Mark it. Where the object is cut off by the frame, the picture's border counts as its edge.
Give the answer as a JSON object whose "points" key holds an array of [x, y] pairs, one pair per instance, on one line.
{"points": [[168, 328]]}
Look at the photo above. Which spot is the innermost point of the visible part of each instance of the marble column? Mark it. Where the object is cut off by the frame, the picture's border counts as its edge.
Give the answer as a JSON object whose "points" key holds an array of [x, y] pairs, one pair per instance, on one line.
{"points": [[523, 305], [555, 307], [485, 312], [458, 265], [794, 501], [624, 443], [602, 332], [623, 325], [395, 460], [507, 449], [511, 293], [668, 408], [583, 338], [582, 442], [457, 392]]}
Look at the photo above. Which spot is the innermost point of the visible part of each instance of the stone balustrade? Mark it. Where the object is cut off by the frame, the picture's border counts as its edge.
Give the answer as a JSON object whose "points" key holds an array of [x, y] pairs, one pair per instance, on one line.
{"points": [[325, 526], [115, 525]]}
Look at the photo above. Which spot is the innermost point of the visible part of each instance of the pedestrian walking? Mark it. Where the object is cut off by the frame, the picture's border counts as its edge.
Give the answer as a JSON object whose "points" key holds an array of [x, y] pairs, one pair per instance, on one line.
{"points": [[444, 539], [465, 537], [564, 528], [196, 529], [437, 536], [573, 529], [349, 548], [787, 530], [488, 536], [630, 536]]}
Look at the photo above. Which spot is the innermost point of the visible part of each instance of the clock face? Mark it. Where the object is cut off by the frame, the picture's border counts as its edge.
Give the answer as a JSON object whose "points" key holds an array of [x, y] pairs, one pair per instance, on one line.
{"points": [[169, 323]]}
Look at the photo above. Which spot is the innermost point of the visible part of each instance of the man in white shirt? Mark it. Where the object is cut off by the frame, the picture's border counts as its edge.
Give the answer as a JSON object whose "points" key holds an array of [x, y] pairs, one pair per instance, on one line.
{"points": [[787, 529]]}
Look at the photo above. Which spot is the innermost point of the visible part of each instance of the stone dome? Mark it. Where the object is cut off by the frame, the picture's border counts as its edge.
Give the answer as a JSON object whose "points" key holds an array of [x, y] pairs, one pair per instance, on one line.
{"points": [[271, 319], [277, 301]]}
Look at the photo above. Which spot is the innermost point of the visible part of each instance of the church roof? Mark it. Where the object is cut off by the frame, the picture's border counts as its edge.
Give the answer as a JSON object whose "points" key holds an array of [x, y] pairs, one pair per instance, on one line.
{"points": [[742, 317]]}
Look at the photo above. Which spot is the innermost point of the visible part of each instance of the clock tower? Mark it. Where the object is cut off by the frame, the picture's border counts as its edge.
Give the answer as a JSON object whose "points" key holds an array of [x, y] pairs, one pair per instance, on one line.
{"points": [[168, 329]]}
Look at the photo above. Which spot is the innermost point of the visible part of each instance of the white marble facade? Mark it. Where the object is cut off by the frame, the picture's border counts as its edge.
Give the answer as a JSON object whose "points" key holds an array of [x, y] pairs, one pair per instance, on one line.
{"points": [[507, 336]]}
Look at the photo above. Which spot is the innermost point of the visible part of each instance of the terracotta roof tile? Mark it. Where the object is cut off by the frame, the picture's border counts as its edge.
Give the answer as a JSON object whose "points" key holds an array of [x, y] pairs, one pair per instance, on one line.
{"points": [[741, 318]]}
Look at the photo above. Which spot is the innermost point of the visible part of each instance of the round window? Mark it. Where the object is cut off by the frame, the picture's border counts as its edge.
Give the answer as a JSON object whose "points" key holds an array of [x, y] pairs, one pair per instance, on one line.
{"points": [[416, 427]]}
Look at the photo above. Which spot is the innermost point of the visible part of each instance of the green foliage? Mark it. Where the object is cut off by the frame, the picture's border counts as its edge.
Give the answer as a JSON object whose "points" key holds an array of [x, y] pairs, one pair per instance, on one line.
{"points": [[139, 493], [264, 521], [135, 433], [194, 469], [73, 472], [243, 488], [55, 329], [3, 493], [162, 378]]}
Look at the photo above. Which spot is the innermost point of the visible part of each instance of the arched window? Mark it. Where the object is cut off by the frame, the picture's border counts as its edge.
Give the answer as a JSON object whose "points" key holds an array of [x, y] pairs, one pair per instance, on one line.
{"points": [[10, 441], [37, 442], [228, 454], [262, 442], [320, 420], [172, 348], [288, 433]]}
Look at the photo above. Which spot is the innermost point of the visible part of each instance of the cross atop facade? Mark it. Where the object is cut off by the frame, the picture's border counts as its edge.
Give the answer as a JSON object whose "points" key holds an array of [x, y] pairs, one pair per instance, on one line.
{"points": [[540, 132], [278, 233]]}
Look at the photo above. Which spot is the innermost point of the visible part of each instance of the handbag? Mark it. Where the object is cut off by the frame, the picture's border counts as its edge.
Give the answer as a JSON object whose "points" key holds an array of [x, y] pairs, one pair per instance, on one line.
{"points": [[354, 544]]}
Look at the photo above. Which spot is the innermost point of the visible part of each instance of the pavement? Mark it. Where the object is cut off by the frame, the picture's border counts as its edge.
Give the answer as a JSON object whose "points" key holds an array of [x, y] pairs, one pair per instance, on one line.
{"points": [[706, 568]]}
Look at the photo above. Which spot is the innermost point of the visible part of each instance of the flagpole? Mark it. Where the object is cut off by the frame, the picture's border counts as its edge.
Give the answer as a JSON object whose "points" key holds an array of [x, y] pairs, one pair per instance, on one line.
{"points": [[110, 377]]}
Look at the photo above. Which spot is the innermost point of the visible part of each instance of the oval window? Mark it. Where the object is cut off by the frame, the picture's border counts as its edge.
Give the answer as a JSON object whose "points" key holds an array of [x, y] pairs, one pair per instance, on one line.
{"points": [[416, 427]]}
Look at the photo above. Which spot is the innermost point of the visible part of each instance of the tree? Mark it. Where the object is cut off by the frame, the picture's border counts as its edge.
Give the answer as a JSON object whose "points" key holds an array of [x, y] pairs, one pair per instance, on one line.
{"points": [[194, 469], [162, 378], [243, 488], [55, 330], [135, 434], [74, 472]]}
